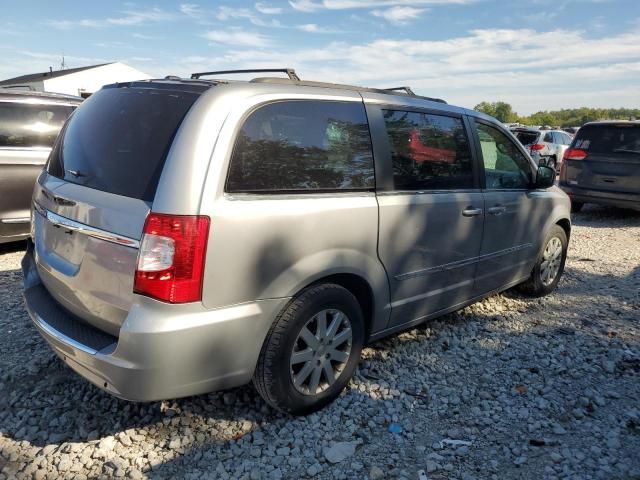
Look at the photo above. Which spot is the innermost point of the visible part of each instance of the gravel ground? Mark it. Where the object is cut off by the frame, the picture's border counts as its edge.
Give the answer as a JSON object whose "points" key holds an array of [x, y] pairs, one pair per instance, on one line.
{"points": [[508, 388]]}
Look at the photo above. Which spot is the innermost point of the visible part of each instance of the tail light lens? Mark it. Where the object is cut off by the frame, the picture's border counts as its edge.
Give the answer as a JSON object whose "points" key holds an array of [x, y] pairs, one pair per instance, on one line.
{"points": [[575, 154], [171, 257], [536, 147]]}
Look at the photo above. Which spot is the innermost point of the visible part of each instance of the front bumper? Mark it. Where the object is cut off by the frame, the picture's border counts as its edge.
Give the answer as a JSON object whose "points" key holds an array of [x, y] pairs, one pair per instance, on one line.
{"points": [[584, 195], [162, 351]]}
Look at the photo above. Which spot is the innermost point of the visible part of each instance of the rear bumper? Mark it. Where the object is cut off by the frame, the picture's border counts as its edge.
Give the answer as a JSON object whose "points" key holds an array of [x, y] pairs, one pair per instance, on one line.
{"points": [[583, 195], [162, 351]]}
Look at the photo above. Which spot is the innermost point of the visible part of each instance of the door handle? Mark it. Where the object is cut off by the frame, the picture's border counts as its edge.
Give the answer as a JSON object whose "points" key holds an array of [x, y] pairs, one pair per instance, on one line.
{"points": [[471, 212], [497, 210]]}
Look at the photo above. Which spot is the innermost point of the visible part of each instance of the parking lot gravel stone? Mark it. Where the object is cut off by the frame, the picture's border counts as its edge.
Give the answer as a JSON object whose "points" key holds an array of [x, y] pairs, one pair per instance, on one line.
{"points": [[508, 388]]}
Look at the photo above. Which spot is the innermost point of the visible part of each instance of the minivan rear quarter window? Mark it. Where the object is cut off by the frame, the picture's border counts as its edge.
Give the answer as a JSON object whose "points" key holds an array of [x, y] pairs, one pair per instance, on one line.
{"points": [[118, 140], [25, 125], [302, 146]]}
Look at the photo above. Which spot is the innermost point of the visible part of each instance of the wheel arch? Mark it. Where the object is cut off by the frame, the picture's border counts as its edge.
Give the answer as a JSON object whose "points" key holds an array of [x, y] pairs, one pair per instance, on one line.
{"points": [[360, 288]]}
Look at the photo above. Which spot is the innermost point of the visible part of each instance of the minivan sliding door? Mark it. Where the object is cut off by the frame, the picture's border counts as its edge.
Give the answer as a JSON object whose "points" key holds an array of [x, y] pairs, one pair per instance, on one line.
{"points": [[430, 209]]}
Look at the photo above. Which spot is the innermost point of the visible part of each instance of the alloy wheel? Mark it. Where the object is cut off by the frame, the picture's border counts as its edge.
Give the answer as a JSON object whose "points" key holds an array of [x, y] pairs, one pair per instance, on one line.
{"points": [[321, 351]]}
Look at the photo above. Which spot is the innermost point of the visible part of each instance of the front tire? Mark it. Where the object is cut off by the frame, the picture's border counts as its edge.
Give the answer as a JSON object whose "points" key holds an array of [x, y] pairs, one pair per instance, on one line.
{"points": [[311, 351], [549, 265]]}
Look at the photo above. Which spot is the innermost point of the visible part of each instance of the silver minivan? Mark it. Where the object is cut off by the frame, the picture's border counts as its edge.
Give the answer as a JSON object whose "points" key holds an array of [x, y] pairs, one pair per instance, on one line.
{"points": [[29, 124], [192, 235]]}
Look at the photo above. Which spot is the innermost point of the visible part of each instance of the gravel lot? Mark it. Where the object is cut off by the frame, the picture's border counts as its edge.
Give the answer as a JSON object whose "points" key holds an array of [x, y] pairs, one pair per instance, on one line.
{"points": [[508, 388]]}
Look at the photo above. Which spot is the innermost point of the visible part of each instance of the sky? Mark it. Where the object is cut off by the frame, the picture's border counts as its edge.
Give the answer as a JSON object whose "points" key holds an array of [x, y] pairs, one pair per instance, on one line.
{"points": [[535, 54]]}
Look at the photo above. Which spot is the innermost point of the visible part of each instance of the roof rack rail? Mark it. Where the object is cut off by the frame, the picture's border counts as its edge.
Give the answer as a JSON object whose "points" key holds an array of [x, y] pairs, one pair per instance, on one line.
{"points": [[291, 73], [406, 89], [24, 87]]}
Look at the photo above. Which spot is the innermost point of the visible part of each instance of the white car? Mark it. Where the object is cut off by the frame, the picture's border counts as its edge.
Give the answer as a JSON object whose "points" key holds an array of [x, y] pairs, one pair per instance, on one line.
{"points": [[546, 147]]}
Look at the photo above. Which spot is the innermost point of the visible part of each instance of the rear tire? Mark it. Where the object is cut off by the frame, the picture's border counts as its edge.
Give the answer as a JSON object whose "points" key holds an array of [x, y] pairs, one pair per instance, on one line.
{"points": [[311, 351], [549, 265], [576, 206]]}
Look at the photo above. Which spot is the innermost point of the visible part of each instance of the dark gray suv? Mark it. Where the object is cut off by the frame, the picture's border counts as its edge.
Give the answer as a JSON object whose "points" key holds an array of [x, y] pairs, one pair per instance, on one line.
{"points": [[602, 165], [29, 124], [195, 235]]}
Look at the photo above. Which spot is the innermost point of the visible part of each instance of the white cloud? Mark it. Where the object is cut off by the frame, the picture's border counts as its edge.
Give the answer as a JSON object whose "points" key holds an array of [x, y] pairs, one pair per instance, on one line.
{"points": [[238, 38], [69, 24], [267, 9], [312, 6], [143, 36], [399, 15], [137, 17], [129, 18], [230, 13], [513, 65], [191, 10], [315, 28]]}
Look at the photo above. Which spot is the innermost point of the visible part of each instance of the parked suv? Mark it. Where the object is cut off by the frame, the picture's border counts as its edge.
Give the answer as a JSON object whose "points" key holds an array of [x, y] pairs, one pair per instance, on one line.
{"points": [[546, 147], [603, 165], [194, 235], [29, 124]]}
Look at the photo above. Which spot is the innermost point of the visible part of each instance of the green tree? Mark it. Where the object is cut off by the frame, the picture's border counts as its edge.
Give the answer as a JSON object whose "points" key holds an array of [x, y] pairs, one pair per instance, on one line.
{"points": [[500, 110]]}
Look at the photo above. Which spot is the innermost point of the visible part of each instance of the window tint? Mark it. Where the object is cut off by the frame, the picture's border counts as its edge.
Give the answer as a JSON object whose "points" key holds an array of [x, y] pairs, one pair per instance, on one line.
{"points": [[566, 139], [118, 140], [24, 125], [504, 165], [428, 151], [548, 137], [623, 139], [303, 146]]}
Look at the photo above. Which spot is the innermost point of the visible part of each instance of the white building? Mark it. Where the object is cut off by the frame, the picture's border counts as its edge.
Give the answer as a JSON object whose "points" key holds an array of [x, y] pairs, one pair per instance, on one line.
{"points": [[82, 81]]}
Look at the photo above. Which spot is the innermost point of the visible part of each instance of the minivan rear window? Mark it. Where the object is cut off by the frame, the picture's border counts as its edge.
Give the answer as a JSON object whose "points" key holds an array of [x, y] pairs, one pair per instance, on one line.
{"points": [[301, 146], [606, 139], [118, 140]]}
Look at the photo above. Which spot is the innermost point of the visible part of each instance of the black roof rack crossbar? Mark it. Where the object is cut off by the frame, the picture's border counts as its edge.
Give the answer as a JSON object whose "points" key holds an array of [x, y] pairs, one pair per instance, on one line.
{"points": [[405, 89], [291, 73]]}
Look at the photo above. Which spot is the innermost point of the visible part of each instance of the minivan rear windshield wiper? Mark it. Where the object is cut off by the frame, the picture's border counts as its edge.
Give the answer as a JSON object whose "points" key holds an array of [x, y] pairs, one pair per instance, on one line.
{"points": [[625, 150]]}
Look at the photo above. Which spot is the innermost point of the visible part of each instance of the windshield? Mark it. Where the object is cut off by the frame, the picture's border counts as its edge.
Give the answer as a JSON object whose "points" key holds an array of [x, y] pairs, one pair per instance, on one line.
{"points": [[118, 140]]}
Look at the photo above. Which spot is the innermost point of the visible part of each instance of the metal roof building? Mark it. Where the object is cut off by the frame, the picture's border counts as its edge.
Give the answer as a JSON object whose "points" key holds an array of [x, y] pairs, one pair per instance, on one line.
{"points": [[82, 81]]}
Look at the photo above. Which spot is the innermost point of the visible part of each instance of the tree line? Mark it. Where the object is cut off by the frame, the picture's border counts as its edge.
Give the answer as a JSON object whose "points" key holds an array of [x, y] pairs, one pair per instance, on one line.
{"points": [[567, 117]]}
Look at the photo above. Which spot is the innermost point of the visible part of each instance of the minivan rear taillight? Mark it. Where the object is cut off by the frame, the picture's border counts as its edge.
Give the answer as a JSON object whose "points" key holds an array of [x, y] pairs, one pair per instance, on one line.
{"points": [[574, 154], [171, 257], [537, 146]]}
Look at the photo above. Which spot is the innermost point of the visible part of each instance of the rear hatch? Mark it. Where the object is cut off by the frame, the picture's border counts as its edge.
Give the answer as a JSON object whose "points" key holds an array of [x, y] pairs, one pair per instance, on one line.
{"points": [[605, 157], [92, 202], [526, 137]]}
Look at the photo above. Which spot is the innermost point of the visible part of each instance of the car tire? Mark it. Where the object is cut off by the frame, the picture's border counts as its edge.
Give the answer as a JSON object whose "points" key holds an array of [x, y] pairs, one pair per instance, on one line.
{"points": [[294, 367], [576, 206], [549, 265]]}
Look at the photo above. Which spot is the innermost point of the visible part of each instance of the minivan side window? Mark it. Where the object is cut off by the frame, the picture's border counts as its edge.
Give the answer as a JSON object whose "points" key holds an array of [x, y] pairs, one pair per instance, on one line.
{"points": [[428, 152], [505, 167], [26, 126], [303, 145]]}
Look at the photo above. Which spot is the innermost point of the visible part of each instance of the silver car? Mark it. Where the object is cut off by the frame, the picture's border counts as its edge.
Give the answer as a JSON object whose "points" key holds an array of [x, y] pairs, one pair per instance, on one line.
{"points": [[29, 124], [546, 147], [196, 235]]}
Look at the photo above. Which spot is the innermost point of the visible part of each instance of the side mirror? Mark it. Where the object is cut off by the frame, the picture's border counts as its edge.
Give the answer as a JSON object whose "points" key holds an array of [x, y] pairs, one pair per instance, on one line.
{"points": [[545, 177]]}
